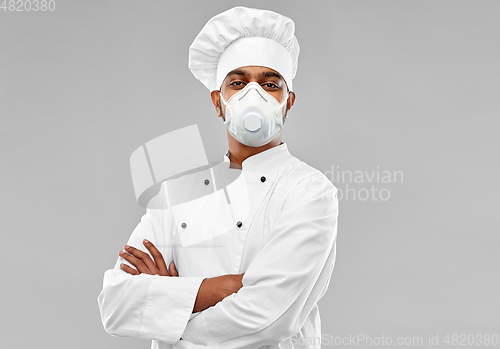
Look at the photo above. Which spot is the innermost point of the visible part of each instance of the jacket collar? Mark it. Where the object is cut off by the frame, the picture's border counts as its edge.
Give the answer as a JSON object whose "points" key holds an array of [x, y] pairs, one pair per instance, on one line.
{"points": [[265, 160]]}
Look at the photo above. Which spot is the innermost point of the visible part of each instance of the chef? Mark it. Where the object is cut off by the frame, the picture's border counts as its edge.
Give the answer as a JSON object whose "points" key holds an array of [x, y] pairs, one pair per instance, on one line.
{"points": [[202, 275]]}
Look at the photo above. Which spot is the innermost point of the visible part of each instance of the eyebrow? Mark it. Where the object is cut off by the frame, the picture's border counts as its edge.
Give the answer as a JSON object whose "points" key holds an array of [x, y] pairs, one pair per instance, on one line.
{"points": [[236, 72], [271, 74], [267, 74]]}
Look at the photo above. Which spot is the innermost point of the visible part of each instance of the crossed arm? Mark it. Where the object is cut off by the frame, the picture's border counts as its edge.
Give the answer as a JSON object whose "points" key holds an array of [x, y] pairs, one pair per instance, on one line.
{"points": [[211, 291], [280, 287], [148, 301]]}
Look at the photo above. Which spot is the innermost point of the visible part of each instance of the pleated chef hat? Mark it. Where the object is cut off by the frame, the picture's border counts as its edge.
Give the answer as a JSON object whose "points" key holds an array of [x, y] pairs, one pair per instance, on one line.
{"points": [[244, 37]]}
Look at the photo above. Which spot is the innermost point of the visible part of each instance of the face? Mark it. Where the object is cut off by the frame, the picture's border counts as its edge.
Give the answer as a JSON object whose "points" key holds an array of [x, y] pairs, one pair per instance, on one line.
{"points": [[269, 79]]}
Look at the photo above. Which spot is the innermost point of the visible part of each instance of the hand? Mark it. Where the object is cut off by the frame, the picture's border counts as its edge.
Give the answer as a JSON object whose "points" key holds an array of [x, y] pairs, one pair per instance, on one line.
{"points": [[143, 263], [215, 289]]}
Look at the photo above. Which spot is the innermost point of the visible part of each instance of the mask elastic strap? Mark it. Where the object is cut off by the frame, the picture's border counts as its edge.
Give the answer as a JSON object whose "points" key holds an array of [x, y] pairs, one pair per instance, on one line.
{"points": [[279, 120], [225, 104], [222, 98]]}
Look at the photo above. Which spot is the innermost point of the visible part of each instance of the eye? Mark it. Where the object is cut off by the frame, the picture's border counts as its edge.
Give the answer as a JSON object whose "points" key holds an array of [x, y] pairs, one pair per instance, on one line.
{"points": [[270, 85], [236, 83]]}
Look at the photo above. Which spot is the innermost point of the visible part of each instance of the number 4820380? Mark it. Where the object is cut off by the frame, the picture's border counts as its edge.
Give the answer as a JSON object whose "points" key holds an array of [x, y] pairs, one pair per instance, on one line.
{"points": [[28, 5]]}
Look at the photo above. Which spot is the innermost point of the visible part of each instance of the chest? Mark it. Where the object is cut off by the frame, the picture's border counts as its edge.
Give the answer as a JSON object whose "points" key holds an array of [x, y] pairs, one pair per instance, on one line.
{"points": [[221, 233]]}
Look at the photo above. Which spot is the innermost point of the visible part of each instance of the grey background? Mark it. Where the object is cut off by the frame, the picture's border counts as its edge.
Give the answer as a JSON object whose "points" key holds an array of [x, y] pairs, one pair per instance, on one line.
{"points": [[407, 86]]}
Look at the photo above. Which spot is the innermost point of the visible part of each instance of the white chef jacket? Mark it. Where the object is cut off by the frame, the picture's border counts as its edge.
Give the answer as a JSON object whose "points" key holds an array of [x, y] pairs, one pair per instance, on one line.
{"points": [[283, 237]]}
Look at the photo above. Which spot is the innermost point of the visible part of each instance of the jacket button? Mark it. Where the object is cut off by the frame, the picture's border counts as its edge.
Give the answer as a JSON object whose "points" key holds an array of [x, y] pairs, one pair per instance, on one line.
{"points": [[262, 179], [239, 224], [183, 225], [207, 182]]}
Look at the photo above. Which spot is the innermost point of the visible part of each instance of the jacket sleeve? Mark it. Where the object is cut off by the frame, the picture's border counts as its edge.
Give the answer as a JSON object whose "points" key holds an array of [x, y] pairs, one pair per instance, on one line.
{"points": [[285, 280], [148, 306]]}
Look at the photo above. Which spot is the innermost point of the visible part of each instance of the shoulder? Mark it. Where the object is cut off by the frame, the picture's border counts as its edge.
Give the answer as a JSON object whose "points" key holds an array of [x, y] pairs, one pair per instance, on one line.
{"points": [[295, 171], [297, 178]]}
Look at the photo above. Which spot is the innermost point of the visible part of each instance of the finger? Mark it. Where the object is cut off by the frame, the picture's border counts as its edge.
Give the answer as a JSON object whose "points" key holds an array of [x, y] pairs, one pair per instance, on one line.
{"points": [[173, 270], [158, 257], [144, 257], [136, 262], [129, 269]]}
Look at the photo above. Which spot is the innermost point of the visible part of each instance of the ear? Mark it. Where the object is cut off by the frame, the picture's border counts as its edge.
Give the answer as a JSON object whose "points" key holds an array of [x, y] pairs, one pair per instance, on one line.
{"points": [[291, 100], [215, 95]]}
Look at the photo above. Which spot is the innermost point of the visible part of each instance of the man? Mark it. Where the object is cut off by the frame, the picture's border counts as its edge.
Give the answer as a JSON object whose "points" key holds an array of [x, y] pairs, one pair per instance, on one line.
{"points": [[257, 284]]}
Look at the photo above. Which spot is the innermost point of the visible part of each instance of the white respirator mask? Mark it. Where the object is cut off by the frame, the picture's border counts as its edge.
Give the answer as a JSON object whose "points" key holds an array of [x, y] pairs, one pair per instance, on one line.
{"points": [[253, 117]]}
